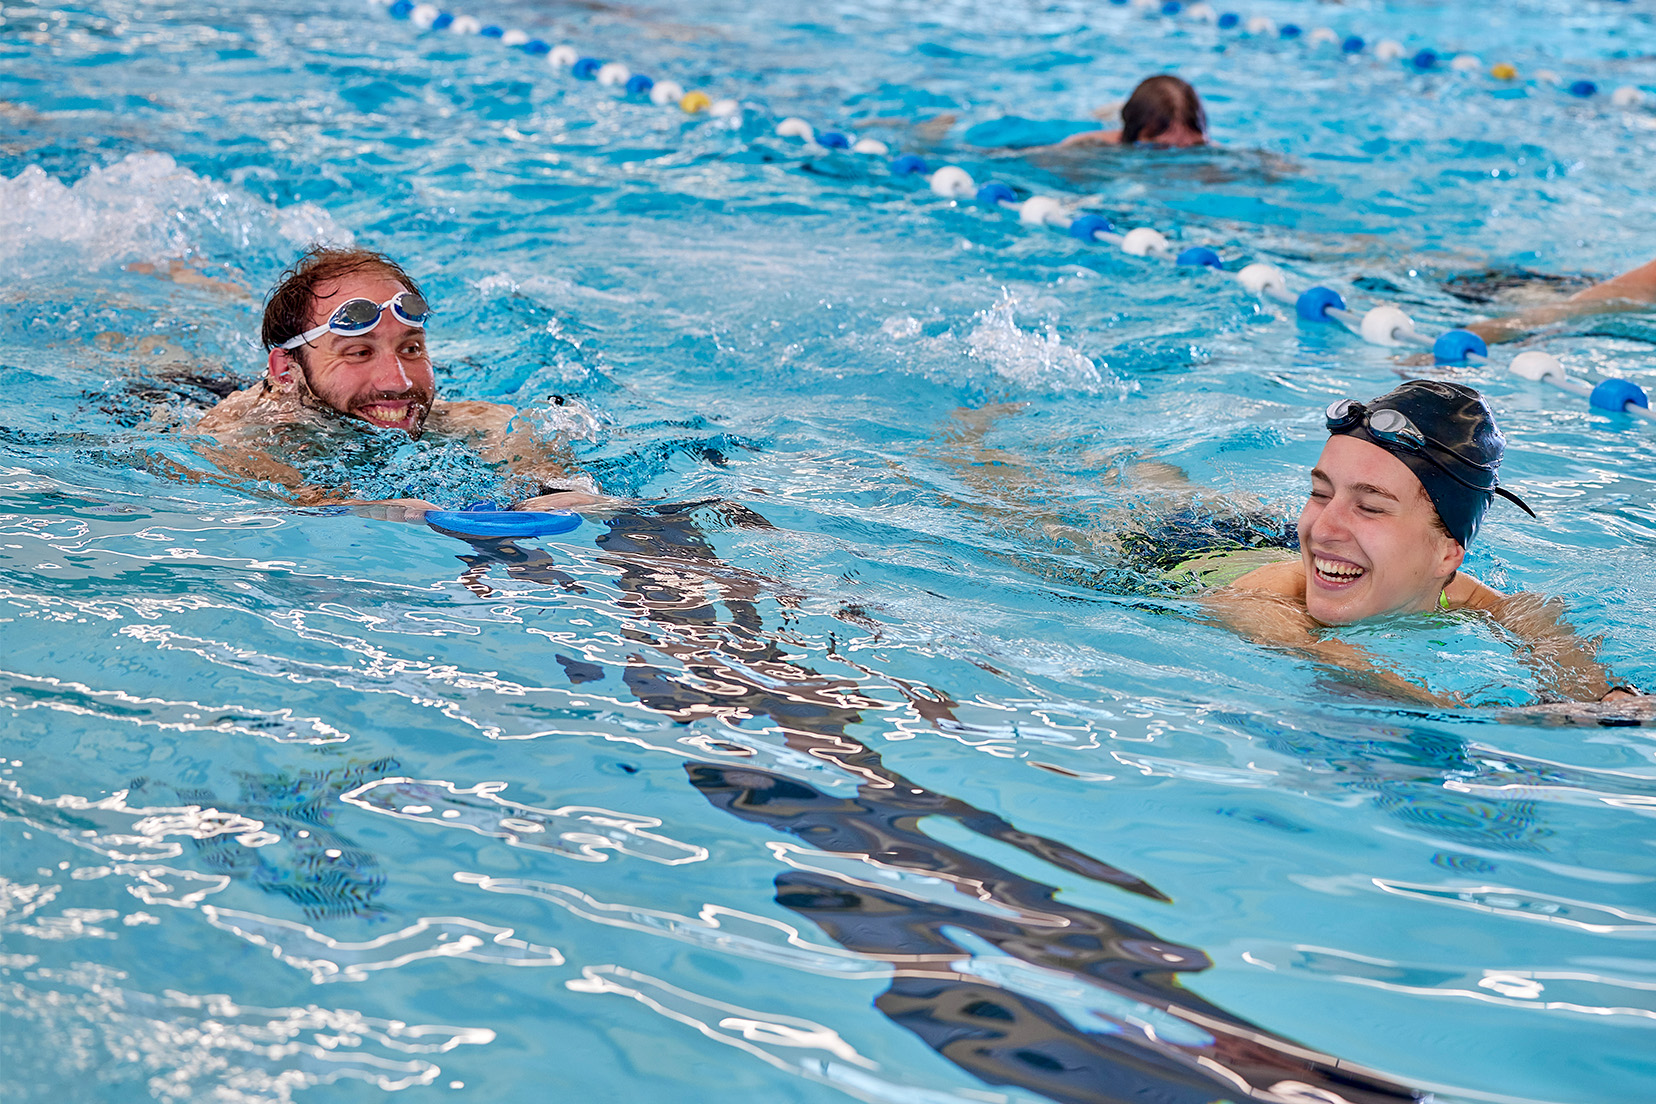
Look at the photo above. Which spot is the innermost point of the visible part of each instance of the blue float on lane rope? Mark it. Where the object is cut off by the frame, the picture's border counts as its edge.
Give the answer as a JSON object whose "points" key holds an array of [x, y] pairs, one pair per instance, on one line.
{"points": [[1314, 303], [994, 193], [1088, 225], [908, 163], [1614, 395], [1199, 255], [1452, 346]]}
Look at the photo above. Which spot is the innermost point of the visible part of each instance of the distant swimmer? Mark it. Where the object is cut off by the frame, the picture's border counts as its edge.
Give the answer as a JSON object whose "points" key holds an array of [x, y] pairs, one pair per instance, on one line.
{"points": [[1396, 498], [1634, 290], [1162, 111], [345, 331]]}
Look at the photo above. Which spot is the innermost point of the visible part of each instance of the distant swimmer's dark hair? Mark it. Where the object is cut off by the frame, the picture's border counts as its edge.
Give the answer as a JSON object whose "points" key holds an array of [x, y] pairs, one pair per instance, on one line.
{"points": [[287, 311], [1159, 104]]}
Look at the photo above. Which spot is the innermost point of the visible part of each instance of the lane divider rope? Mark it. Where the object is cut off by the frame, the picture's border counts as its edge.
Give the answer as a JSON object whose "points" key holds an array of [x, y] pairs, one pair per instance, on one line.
{"points": [[1423, 60]]}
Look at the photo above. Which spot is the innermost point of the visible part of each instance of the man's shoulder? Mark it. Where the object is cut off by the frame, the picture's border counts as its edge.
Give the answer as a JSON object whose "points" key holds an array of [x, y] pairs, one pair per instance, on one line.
{"points": [[469, 415], [233, 410]]}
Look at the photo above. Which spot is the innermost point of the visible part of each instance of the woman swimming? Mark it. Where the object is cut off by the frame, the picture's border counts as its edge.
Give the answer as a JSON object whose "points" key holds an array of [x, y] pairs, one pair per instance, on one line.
{"points": [[1163, 111], [1396, 498]]}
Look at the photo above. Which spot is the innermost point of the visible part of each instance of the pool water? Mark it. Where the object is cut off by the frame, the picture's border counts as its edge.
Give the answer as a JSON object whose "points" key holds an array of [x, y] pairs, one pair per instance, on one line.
{"points": [[841, 766]]}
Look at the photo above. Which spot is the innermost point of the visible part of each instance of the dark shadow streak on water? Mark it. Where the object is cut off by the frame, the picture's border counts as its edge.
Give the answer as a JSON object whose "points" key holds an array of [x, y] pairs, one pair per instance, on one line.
{"points": [[734, 670]]}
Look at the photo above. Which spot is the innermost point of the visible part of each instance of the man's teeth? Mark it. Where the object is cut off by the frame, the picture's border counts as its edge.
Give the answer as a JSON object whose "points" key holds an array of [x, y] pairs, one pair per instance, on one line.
{"points": [[387, 412], [1336, 569]]}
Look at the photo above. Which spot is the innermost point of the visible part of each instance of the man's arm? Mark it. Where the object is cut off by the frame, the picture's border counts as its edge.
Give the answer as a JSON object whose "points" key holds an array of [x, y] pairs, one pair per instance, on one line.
{"points": [[504, 435]]}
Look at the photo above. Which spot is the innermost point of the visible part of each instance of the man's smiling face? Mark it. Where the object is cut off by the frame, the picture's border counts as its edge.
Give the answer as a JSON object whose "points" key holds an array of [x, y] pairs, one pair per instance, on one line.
{"points": [[384, 376], [1369, 538]]}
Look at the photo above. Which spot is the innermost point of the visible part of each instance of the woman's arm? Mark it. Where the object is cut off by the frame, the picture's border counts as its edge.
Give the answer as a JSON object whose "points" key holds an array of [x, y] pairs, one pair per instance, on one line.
{"points": [[1262, 607], [1566, 665]]}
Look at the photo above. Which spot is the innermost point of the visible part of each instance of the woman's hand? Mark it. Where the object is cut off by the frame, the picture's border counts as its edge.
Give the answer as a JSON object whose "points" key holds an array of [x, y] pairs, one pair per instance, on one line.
{"points": [[1618, 708]]}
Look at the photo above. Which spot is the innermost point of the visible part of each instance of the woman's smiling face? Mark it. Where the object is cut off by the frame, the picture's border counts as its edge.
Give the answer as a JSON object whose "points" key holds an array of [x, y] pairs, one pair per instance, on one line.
{"points": [[1369, 537]]}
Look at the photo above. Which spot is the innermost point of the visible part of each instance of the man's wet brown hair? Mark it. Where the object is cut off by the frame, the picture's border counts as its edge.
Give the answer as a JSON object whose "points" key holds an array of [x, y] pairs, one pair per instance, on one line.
{"points": [[287, 311], [1156, 105]]}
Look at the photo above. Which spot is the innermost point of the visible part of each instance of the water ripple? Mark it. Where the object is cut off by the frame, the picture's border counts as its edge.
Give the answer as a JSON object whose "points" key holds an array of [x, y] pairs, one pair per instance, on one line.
{"points": [[328, 959], [799, 1046], [716, 927], [574, 831], [183, 1047]]}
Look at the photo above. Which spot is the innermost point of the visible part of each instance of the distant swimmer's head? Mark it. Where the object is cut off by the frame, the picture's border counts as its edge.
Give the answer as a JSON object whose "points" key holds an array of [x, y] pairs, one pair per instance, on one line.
{"points": [[346, 331], [1164, 111], [1396, 498]]}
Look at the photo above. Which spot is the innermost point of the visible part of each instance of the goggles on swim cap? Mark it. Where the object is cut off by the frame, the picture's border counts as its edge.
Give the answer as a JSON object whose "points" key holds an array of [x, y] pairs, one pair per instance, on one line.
{"points": [[355, 317], [1471, 483]]}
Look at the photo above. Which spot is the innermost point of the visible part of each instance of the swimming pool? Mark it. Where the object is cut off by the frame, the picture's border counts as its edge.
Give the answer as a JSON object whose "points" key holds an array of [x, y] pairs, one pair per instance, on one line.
{"points": [[895, 798]]}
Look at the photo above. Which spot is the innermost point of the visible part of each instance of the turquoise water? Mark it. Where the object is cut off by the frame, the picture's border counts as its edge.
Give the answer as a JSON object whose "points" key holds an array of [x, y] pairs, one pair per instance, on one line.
{"points": [[899, 797]]}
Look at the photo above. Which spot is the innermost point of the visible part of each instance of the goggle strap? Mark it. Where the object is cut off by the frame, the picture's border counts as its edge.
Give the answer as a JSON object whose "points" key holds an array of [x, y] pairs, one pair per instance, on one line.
{"points": [[1516, 501], [1495, 490]]}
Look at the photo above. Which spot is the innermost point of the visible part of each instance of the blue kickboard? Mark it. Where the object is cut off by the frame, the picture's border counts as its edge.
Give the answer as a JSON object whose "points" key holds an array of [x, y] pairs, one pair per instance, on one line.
{"points": [[502, 523]]}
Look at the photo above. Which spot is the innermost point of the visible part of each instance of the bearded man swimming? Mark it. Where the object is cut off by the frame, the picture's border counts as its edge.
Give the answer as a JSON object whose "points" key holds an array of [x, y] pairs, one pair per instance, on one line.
{"points": [[345, 334]]}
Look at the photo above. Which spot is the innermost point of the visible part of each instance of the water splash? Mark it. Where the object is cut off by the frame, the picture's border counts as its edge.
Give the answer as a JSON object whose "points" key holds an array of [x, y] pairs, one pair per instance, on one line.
{"points": [[144, 207], [1035, 359]]}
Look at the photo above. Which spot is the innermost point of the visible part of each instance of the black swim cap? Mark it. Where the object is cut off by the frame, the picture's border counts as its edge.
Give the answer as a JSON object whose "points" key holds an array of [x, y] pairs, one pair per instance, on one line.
{"points": [[1455, 453]]}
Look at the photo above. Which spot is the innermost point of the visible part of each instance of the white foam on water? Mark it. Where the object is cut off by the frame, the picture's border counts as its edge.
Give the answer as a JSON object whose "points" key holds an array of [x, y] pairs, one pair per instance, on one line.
{"points": [[1035, 359], [144, 207]]}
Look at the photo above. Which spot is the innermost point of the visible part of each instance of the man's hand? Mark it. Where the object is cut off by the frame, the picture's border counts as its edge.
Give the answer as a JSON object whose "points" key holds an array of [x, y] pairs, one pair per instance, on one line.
{"points": [[392, 509], [567, 500]]}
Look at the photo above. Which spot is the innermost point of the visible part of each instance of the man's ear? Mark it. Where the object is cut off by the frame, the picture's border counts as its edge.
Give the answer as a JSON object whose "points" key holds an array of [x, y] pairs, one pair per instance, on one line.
{"points": [[282, 370]]}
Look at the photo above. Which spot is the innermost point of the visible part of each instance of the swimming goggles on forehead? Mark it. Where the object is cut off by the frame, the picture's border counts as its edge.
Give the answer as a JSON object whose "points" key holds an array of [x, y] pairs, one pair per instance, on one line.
{"points": [[1393, 429], [355, 317]]}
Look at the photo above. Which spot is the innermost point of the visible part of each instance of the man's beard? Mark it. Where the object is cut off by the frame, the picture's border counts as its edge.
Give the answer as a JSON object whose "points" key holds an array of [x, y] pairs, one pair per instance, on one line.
{"points": [[419, 400]]}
